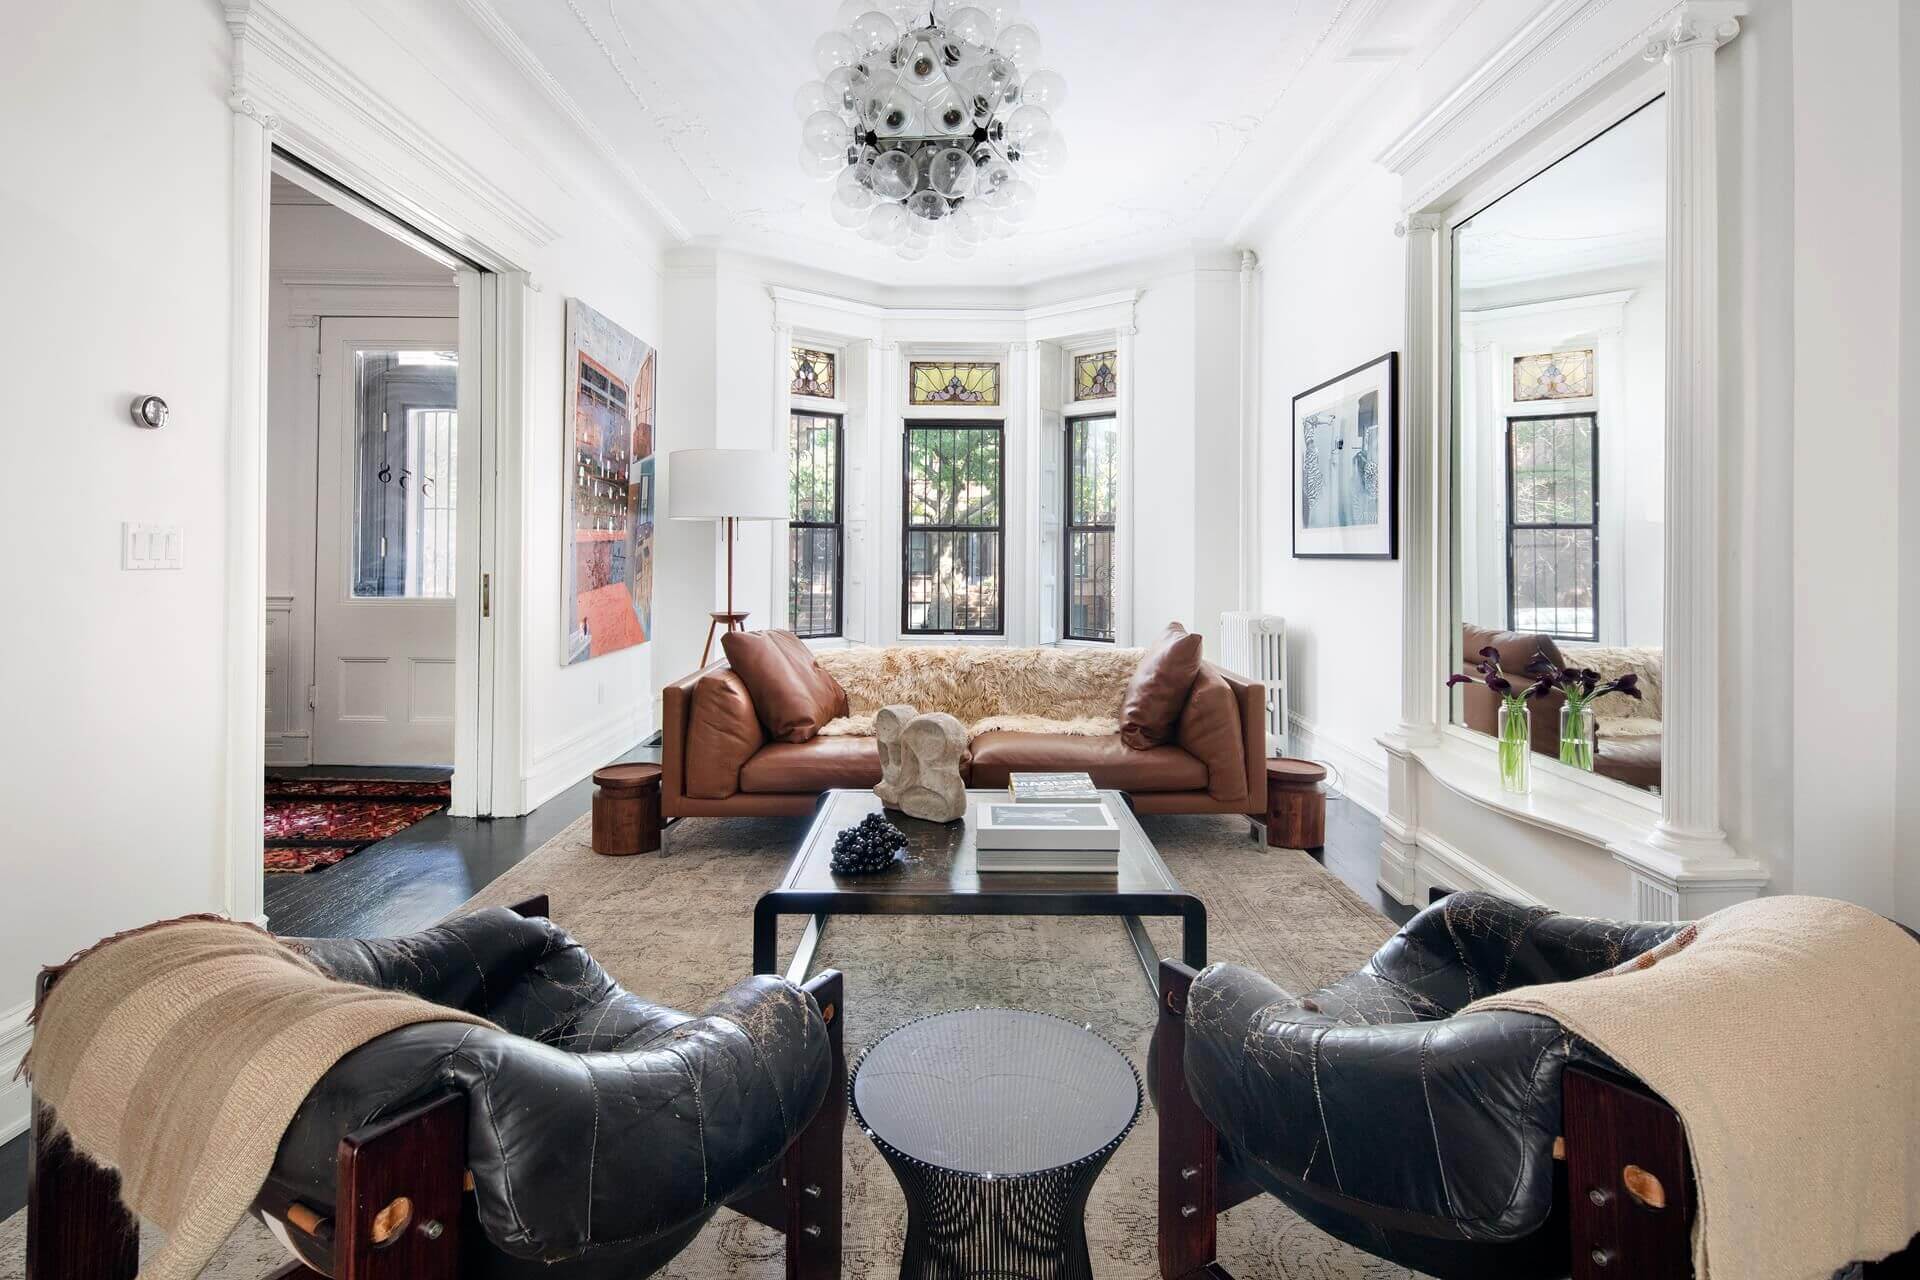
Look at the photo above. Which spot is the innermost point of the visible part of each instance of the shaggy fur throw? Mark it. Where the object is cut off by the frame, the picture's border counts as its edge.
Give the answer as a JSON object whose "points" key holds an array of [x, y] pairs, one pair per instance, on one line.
{"points": [[1616, 715], [1070, 691]]}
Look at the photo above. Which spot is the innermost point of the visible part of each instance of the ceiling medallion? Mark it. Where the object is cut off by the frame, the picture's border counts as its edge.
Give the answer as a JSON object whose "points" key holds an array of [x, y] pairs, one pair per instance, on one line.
{"points": [[929, 121]]}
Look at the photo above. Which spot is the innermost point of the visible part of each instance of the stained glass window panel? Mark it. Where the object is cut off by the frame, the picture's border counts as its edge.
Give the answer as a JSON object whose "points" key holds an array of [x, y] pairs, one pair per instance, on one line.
{"points": [[1094, 376], [947, 382], [1554, 375], [813, 373]]}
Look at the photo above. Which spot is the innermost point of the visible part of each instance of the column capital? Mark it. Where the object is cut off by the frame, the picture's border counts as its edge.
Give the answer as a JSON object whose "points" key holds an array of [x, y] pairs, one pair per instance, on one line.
{"points": [[1419, 222], [1699, 24]]}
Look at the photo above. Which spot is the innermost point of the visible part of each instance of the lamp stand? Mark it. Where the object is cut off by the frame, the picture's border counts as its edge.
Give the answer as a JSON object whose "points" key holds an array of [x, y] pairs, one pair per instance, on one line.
{"points": [[732, 619]]}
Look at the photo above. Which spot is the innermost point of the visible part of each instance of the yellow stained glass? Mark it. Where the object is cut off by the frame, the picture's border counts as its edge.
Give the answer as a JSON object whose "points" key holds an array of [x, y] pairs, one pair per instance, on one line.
{"points": [[1094, 376], [937, 382], [813, 373], [1554, 375]]}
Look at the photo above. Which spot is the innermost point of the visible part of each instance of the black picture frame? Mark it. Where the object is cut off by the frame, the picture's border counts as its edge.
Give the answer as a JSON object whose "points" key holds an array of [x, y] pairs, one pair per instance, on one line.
{"points": [[1390, 496]]}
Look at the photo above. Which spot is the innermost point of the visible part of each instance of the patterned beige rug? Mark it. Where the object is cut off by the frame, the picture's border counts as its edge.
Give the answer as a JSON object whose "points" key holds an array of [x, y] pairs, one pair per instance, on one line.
{"points": [[676, 927]]}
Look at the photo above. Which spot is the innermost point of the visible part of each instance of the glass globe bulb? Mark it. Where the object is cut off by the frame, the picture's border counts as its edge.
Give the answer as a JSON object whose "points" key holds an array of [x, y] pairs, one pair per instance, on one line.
{"points": [[814, 96], [944, 113], [971, 24], [908, 15], [849, 213], [1019, 42], [873, 31], [834, 50], [855, 186], [910, 251], [889, 223], [821, 167], [963, 223], [1046, 154], [922, 64], [943, 10], [1027, 123], [1046, 90], [845, 87], [849, 12], [992, 178], [950, 172], [892, 111], [825, 134], [927, 206], [893, 175], [1021, 197], [1003, 12]]}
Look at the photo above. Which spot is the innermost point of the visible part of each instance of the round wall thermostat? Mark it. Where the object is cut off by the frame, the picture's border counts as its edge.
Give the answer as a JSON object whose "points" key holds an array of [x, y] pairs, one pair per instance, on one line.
{"points": [[148, 411]]}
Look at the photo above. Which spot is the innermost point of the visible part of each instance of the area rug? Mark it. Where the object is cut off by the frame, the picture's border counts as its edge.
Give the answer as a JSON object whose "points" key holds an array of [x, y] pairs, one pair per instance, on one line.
{"points": [[315, 822], [677, 927]]}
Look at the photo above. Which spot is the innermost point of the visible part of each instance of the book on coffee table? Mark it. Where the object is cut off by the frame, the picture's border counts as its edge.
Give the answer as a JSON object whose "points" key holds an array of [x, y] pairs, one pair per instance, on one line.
{"points": [[1052, 788], [1045, 837]]}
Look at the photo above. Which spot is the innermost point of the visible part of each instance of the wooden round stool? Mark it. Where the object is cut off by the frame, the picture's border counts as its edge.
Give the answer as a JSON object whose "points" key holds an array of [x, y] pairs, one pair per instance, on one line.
{"points": [[1296, 807], [626, 809]]}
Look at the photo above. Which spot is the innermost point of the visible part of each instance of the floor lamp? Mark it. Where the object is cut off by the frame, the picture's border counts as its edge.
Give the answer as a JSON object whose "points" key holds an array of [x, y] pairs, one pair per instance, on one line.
{"points": [[727, 485]]}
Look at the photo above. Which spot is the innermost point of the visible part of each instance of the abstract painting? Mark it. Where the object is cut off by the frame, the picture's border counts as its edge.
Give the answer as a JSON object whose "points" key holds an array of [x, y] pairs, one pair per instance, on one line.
{"points": [[1346, 437], [607, 577]]}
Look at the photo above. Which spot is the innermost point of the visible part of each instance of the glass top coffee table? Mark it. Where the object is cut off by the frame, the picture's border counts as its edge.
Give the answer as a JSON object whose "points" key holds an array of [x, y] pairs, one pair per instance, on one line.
{"points": [[937, 876]]}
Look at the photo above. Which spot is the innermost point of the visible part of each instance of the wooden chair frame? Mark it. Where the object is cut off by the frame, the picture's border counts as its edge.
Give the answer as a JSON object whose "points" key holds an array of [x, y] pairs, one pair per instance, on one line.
{"points": [[1630, 1204], [401, 1188]]}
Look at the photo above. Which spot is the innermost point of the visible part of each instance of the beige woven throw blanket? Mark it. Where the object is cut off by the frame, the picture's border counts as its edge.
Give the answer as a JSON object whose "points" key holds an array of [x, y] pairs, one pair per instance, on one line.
{"points": [[1786, 1034], [177, 1054]]}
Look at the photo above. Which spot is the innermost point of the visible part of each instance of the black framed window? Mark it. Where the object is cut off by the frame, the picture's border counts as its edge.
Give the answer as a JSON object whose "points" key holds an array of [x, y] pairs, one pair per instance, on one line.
{"points": [[955, 535], [1553, 525], [1092, 510], [815, 529]]}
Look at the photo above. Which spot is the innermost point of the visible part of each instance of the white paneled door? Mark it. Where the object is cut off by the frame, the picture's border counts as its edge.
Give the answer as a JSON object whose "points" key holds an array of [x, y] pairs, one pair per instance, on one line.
{"points": [[384, 545]]}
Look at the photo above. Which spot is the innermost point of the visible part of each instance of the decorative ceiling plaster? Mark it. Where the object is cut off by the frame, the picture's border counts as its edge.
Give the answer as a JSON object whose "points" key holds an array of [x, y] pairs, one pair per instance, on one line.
{"points": [[1179, 117]]}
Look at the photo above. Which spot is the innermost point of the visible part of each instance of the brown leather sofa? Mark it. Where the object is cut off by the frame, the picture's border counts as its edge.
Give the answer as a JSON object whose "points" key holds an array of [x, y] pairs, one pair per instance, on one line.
{"points": [[719, 762], [1634, 761]]}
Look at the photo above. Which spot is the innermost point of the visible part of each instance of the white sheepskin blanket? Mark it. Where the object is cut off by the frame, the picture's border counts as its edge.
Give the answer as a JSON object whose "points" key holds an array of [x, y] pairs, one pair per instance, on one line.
{"points": [[1616, 715], [1070, 691]]}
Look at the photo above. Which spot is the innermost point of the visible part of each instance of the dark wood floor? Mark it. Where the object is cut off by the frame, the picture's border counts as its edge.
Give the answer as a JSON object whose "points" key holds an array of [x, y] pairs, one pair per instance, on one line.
{"points": [[415, 878]]}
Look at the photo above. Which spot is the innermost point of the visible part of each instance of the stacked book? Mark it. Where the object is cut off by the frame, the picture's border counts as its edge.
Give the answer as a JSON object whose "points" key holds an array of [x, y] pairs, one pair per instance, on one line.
{"points": [[1050, 822]]}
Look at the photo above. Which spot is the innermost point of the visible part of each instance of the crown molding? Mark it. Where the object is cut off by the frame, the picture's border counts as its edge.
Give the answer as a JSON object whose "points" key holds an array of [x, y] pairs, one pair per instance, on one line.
{"points": [[507, 40]]}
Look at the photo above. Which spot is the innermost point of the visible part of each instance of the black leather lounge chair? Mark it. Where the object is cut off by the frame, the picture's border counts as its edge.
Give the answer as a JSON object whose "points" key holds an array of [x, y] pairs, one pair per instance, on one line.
{"points": [[591, 1138]]}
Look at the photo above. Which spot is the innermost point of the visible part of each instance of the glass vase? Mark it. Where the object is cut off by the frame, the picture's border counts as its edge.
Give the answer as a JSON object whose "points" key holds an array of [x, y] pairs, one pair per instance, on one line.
{"points": [[1516, 747], [1578, 734]]}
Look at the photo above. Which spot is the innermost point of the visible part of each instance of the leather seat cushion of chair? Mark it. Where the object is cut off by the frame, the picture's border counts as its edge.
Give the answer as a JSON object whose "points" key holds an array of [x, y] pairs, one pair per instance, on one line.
{"points": [[792, 695], [1158, 691], [815, 765], [1110, 761]]}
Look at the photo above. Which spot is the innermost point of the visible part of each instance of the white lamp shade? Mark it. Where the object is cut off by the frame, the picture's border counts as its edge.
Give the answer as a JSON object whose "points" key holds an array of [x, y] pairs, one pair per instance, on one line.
{"points": [[713, 484]]}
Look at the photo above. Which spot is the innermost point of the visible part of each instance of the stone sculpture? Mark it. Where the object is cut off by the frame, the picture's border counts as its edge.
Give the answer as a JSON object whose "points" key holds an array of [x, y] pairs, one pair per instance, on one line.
{"points": [[932, 746], [888, 721]]}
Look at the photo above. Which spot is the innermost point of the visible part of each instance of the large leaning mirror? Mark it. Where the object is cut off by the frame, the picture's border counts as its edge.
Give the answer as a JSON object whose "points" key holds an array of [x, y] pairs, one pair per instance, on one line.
{"points": [[1559, 318]]}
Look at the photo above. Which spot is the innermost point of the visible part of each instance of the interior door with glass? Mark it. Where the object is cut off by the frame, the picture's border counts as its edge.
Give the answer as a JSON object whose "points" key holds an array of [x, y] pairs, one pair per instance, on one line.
{"points": [[384, 625]]}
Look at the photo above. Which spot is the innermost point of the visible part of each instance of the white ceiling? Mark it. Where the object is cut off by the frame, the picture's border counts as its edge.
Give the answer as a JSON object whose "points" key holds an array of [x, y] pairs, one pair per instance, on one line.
{"points": [[1179, 117]]}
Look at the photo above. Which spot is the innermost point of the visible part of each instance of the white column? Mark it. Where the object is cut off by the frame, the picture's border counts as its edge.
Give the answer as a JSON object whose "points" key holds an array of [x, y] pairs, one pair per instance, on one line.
{"points": [[1133, 519], [781, 583], [246, 660], [1690, 750], [1421, 614], [1252, 530]]}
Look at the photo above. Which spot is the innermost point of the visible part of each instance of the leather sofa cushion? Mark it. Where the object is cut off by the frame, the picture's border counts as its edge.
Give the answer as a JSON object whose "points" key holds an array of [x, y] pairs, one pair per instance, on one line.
{"points": [[780, 768], [1634, 761], [1158, 691], [1110, 761], [1210, 730], [723, 732], [792, 695]]}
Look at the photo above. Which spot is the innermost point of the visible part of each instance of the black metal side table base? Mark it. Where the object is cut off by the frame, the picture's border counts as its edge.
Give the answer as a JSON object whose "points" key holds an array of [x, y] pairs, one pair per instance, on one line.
{"points": [[963, 1226]]}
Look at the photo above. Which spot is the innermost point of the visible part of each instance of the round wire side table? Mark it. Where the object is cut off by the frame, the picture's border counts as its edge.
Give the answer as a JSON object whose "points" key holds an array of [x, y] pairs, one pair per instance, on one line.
{"points": [[996, 1123]]}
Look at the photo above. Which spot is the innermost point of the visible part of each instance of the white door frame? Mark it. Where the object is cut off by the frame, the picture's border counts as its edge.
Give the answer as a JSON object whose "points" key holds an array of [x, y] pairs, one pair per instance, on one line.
{"points": [[291, 96]]}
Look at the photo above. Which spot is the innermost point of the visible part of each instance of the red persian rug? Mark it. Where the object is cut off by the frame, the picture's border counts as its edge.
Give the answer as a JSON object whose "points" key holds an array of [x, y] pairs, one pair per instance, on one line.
{"points": [[315, 822]]}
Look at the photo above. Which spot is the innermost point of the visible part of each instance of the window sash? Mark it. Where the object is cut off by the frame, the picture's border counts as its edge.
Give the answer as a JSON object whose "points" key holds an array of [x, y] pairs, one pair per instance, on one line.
{"points": [[1080, 533], [803, 543], [1529, 532], [931, 535]]}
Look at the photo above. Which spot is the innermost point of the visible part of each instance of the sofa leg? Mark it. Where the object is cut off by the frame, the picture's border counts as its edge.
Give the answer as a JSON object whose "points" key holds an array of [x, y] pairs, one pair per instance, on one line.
{"points": [[77, 1229], [401, 1192], [812, 1172], [1630, 1181], [1189, 1147]]}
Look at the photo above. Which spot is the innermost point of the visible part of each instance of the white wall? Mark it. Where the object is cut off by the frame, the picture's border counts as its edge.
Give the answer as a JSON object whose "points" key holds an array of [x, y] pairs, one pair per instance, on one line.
{"points": [[1333, 297]]}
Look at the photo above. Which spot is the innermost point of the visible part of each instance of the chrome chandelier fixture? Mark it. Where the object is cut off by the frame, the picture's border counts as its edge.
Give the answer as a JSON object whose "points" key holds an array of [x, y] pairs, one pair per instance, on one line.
{"points": [[929, 120]]}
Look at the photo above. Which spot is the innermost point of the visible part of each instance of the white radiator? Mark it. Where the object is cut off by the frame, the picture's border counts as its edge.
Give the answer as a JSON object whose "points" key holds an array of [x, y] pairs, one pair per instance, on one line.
{"points": [[1254, 645]]}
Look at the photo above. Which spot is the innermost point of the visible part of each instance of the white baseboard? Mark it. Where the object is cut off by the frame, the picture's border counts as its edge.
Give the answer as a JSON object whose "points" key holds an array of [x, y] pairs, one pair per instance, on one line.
{"points": [[563, 764], [289, 749], [15, 1036], [1360, 777]]}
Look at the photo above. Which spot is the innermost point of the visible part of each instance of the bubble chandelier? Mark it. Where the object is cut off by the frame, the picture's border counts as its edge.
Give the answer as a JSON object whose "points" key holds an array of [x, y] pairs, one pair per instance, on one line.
{"points": [[929, 121]]}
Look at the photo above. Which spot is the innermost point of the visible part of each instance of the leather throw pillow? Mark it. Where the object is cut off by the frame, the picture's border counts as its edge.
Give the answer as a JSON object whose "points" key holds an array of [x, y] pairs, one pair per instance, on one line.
{"points": [[1158, 691], [791, 694]]}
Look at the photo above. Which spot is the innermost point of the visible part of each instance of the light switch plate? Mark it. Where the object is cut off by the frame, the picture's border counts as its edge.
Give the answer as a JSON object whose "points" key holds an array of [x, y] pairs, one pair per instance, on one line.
{"points": [[152, 546]]}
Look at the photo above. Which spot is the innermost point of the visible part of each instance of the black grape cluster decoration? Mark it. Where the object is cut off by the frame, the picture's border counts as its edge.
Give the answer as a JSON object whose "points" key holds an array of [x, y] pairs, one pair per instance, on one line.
{"points": [[867, 847]]}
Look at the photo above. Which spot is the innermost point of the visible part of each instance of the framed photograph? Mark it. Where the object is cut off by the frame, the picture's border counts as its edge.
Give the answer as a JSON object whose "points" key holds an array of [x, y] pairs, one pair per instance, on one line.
{"points": [[1346, 472], [607, 576]]}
